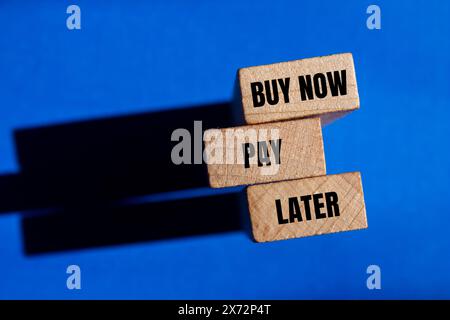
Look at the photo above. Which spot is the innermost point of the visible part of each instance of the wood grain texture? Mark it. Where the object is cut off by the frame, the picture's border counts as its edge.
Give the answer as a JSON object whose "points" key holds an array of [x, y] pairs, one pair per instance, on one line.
{"points": [[301, 155], [348, 197], [329, 107]]}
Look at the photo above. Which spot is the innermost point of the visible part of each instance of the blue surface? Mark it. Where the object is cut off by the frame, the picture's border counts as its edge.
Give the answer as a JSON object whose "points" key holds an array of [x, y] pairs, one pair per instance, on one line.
{"points": [[140, 56]]}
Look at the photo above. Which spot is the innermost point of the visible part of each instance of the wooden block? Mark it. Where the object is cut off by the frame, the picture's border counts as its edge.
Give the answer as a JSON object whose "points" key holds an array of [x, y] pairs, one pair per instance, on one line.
{"points": [[323, 86], [307, 207], [265, 153]]}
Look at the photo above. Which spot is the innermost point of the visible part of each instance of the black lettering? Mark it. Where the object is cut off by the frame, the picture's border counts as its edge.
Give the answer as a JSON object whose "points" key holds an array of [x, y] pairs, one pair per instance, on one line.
{"points": [[281, 220], [272, 100], [294, 210], [257, 94], [263, 154], [320, 81], [276, 148], [306, 200], [338, 84], [284, 85], [249, 152], [306, 89], [332, 204], [318, 205]]}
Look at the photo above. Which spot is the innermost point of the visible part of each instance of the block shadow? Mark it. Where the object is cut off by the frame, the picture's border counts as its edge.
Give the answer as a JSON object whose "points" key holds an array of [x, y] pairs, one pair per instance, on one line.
{"points": [[105, 225], [74, 175]]}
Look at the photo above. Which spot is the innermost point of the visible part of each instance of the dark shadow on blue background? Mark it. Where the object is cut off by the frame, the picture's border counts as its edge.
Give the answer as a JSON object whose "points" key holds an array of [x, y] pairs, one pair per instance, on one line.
{"points": [[105, 160], [105, 225], [94, 180]]}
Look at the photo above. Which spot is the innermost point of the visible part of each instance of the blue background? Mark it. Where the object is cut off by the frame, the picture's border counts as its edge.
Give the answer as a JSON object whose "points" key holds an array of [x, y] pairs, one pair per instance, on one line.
{"points": [[140, 56]]}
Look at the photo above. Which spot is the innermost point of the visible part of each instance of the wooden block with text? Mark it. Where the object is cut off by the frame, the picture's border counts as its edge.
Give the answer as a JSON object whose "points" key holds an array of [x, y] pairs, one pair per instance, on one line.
{"points": [[323, 86], [264, 153], [307, 207]]}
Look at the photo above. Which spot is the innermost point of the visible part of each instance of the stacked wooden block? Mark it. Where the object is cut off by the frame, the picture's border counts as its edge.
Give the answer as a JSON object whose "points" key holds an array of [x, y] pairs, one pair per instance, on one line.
{"points": [[280, 152]]}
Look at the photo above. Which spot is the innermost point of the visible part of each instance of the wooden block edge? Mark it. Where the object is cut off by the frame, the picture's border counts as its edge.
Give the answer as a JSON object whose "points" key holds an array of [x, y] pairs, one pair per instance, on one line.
{"points": [[366, 224], [326, 116]]}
